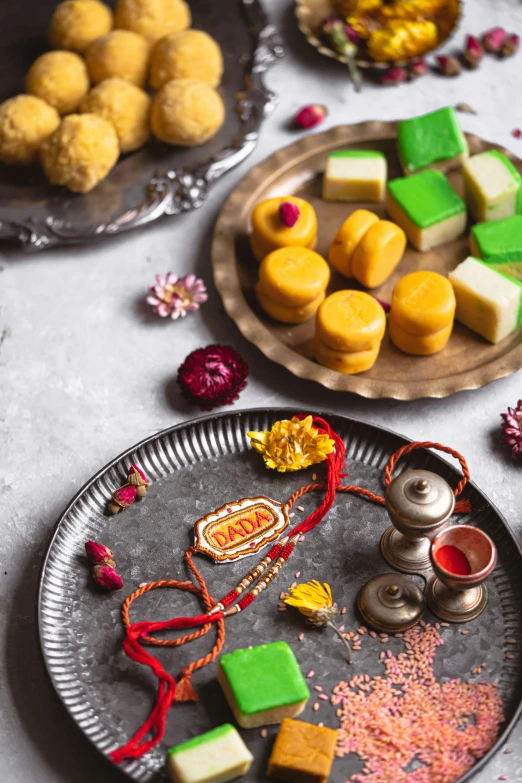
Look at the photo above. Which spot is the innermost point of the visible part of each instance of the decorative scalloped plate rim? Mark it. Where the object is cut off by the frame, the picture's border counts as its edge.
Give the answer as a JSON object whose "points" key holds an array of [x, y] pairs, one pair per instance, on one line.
{"points": [[226, 278]]}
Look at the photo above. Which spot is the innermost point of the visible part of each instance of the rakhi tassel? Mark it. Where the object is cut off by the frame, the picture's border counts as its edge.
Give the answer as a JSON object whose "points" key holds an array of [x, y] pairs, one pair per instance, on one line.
{"points": [[155, 724], [184, 689]]}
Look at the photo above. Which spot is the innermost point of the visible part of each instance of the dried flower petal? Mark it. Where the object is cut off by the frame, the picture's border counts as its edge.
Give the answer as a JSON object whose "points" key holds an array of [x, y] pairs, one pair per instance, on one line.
{"points": [[311, 115], [393, 76], [417, 68], [107, 577], [123, 497], [473, 53], [176, 296], [510, 45], [98, 553], [517, 133], [288, 213], [493, 40], [385, 305], [512, 429], [292, 444], [448, 66], [314, 601], [465, 108], [136, 477], [212, 376]]}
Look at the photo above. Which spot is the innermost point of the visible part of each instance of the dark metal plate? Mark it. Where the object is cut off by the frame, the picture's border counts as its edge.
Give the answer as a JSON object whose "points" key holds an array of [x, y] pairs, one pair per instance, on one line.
{"points": [[197, 467], [134, 194]]}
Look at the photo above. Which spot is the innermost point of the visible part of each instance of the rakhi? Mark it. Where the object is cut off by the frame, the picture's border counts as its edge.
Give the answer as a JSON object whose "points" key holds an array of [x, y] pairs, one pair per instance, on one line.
{"points": [[254, 522]]}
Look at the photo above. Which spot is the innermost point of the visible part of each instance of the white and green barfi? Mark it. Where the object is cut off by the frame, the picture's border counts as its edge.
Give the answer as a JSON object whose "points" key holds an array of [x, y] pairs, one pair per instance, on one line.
{"points": [[433, 140], [215, 757], [492, 186], [499, 244], [355, 175], [427, 208], [488, 302]]}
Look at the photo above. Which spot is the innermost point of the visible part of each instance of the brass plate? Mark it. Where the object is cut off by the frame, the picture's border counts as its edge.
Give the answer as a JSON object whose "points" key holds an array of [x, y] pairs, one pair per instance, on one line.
{"points": [[467, 362], [311, 13]]}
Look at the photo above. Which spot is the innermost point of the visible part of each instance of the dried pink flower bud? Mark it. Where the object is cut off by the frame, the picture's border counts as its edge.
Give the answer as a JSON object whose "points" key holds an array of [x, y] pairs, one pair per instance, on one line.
{"points": [[107, 577], [309, 116], [448, 66], [136, 477], [473, 53], [493, 40], [98, 553], [288, 213], [516, 133], [122, 498], [395, 75], [417, 68], [351, 34], [510, 45], [512, 429]]}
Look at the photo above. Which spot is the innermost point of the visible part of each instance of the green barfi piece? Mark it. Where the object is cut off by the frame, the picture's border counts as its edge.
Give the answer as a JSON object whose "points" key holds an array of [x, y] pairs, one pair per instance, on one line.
{"points": [[264, 677], [499, 242], [357, 154], [430, 139], [514, 173], [427, 198], [202, 739]]}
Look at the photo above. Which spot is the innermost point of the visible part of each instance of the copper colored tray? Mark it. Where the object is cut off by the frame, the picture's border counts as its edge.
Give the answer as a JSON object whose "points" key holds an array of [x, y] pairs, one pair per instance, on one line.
{"points": [[467, 362]]}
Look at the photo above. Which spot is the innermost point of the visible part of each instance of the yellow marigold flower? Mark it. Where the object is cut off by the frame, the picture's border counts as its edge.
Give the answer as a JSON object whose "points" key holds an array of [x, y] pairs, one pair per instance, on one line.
{"points": [[292, 445], [401, 39], [310, 597]]}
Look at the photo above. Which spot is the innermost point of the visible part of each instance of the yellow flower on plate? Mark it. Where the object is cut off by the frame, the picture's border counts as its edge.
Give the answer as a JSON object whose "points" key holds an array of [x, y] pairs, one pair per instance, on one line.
{"points": [[310, 597], [292, 444], [314, 600]]}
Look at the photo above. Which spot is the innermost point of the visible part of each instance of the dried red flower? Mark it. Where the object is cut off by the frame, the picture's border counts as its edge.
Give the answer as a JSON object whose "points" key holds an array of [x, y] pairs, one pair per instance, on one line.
{"points": [[517, 133], [395, 75], [288, 213], [473, 53], [212, 376], [510, 45], [309, 116], [448, 66], [98, 553], [512, 429], [137, 478], [417, 68], [107, 577], [493, 40], [122, 498], [385, 305]]}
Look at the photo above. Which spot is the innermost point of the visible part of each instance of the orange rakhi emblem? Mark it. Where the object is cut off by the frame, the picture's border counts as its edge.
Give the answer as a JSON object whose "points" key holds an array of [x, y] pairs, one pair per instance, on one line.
{"points": [[240, 529]]}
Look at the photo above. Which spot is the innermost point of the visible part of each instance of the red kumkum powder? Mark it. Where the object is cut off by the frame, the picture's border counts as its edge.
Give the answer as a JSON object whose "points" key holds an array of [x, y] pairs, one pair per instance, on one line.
{"points": [[453, 560], [406, 726]]}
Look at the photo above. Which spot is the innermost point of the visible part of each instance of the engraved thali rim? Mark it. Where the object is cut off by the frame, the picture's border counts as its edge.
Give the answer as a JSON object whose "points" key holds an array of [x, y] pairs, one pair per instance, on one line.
{"points": [[374, 430], [226, 278], [301, 12]]}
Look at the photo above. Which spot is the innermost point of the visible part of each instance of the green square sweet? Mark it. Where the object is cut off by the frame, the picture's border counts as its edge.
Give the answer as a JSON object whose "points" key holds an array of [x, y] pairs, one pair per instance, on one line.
{"points": [[499, 245], [264, 677], [517, 178], [427, 198], [432, 138], [357, 154], [202, 739]]}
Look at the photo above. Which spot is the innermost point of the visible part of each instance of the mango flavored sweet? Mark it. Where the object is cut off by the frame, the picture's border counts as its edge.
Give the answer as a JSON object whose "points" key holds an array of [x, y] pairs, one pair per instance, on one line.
{"points": [[378, 253], [349, 327], [285, 314], [347, 238], [292, 283], [302, 752], [367, 248], [285, 221], [422, 313], [350, 321]]}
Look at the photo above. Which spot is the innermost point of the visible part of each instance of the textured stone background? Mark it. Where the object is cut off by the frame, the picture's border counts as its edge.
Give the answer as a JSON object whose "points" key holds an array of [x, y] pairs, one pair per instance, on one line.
{"points": [[85, 372]]}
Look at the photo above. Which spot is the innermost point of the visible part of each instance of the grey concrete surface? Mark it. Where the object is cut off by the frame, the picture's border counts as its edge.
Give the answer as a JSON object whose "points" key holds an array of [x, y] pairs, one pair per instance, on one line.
{"points": [[85, 372]]}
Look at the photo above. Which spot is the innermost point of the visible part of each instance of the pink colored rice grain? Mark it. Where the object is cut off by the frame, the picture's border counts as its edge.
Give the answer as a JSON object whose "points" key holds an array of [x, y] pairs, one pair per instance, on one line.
{"points": [[389, 721]]}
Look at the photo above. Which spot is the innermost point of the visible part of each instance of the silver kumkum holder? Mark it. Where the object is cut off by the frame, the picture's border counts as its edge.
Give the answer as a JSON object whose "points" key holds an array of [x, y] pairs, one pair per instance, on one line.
{"points": [[419, 504]]}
